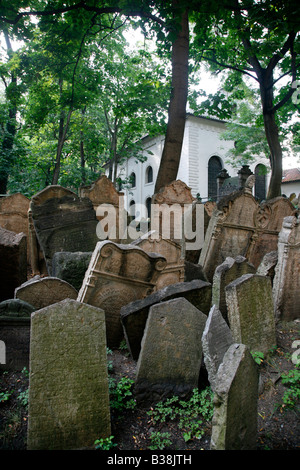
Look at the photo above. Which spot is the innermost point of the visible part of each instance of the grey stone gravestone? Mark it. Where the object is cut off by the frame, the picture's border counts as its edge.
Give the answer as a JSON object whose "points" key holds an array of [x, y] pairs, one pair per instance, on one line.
{"points": [[13, 266], [71, 267], [68, 382]]}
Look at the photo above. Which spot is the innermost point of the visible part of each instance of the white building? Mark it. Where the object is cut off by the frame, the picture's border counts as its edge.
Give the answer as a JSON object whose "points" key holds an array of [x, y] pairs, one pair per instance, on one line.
{"points": [[203, 157]]}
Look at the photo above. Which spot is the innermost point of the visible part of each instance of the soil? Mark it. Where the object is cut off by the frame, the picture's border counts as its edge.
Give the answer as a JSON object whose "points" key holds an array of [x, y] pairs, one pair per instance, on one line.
{"points": [[278, 425]]}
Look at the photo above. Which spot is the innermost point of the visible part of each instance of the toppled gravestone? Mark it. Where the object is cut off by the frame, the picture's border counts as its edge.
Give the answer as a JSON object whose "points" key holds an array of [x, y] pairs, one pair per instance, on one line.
{"points": [[251, 312], [71, 267], [68, 382], [225, 273], [286, 284], [62, 222], [13, 265], [118, 274], [216, 340], [43, 291], [134, 315], [234, 424], [15, 332], [171, 353]]}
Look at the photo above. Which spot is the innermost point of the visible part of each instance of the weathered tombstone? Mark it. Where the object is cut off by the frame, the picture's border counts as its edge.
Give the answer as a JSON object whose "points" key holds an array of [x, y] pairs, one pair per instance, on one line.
{"points": [[118, 274], [225, 273], [234, 424], [171, 354], [43, 291], [175, 268], [251, 312], [68, 382], [241, 226], [15, 332], [286, 286], [216, 340], [13, 266], [103, 193], [268, 265], [14, 215], [71, 267], [63, 222], [134, 315]]}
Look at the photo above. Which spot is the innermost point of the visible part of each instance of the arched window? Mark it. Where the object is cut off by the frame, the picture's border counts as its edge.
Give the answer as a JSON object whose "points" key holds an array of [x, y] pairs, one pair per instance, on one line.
{"points": [[132, 179], [214, 168], [260, 181], [148, 206], [149, 174], [132, 209]]}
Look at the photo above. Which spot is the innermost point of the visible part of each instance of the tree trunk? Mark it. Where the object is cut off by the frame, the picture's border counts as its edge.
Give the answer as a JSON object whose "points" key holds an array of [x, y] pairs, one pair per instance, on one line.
{"points": [[82, 154], [170, 159]]}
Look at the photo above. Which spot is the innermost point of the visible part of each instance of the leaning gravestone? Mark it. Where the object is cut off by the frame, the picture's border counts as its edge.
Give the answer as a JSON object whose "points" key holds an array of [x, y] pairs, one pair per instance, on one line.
{"points": [[171, 354], [134, 315], [41, 292], [71, 267], [286, 287], [68, 382], [224, 274], [216, 340], [268, 265], [63, 222], [15, 332], [118, 274], [234, 424], [251, 312], [13, 266]]}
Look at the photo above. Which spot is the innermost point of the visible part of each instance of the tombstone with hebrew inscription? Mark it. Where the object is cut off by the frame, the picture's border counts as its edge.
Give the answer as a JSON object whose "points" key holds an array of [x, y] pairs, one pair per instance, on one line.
{"points": [[118, 274]]}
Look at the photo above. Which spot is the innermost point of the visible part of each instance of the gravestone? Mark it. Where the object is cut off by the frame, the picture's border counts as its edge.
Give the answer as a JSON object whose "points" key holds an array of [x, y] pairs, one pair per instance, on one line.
{"points": [[13, 266], [234, 424], [118, 274], [63, 222], [71, 267], [240, 225], [216, 340], [251, 312], [171, 354], [227, 272], [15, 332], [14, 215], [43, 291], [268, 265], [134, 315], [103, 193], [286, 286], [174, 271], [68, 382]]}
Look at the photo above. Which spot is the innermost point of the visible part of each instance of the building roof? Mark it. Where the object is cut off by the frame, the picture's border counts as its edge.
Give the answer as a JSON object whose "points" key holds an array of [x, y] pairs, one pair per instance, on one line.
{"points": [[290, 175]]}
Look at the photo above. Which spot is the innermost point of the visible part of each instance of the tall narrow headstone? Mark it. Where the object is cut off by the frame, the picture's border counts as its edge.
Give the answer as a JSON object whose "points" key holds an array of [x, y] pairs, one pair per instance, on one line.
{"points": [[118, 274], [68, 382], [251, 312], [216, 339], [234, 425], [171, 353]]}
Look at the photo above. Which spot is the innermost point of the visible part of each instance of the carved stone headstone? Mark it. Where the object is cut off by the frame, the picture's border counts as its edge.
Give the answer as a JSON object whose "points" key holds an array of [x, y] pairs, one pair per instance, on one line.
{"points": [[171, 354], [68, 382], [234, 424], [134, 315], [71, 267], [251, 312], [13, 265], [241, 226], [175, 268], [41, 292], [118, 274], [15, 332], [216, 340], [14, 215], [227, 272], [268, 265], [63, 222], [286, 286]]}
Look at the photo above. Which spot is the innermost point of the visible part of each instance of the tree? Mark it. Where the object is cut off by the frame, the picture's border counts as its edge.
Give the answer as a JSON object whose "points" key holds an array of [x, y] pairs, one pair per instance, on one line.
{"points": [[260, 40]]}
